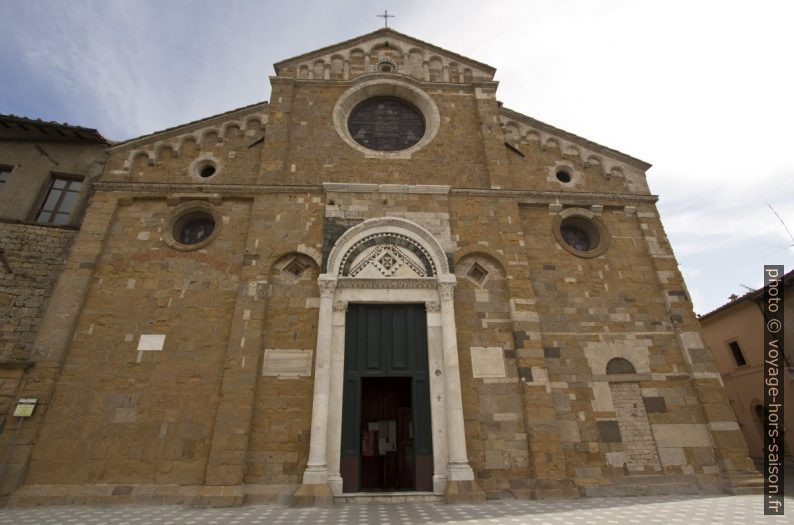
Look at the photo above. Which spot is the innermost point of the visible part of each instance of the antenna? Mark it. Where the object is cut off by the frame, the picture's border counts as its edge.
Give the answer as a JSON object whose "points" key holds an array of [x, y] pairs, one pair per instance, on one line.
{"points": [[780, 219]]}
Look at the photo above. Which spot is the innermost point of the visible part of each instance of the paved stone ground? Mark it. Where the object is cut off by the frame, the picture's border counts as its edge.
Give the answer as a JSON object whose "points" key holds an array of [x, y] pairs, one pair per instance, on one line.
{"points": [[667, 510]]}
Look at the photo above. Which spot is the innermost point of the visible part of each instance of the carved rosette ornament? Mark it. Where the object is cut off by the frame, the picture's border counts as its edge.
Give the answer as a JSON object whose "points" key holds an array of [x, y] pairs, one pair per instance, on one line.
{"points": [[433, 306]]}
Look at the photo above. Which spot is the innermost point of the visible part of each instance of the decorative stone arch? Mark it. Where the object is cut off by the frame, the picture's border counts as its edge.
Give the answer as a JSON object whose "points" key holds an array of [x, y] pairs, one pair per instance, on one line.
{"points": [[480, 265], [254, 118], [138, 153], [484, 250], [435, 290], [415, 238], [312, 253], [160, 147], [226, 126], [618, 365], [206, 132], [385, 45], [294, 266], [184, 139], [600, 354]]}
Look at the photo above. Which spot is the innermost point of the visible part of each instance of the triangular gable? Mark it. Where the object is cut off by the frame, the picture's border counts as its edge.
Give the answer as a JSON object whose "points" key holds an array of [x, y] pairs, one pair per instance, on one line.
{"points": [[522, 128], [366, 53]]}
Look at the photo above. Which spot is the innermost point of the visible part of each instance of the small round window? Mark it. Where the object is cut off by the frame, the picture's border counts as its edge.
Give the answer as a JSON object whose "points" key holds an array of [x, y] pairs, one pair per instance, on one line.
{"points": [[204, 169], [192, 226], [563, 176], [386, 124], [581, 234], [207, 171]]}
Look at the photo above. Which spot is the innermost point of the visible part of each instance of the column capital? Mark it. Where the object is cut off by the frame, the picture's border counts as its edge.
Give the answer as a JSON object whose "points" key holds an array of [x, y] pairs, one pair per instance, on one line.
{"points": [[446, 286], [327, 284], [340, 306]]}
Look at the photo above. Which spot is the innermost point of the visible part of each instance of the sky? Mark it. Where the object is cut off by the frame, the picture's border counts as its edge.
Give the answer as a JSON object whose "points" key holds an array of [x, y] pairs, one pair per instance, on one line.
{"points": [[703, 90]]}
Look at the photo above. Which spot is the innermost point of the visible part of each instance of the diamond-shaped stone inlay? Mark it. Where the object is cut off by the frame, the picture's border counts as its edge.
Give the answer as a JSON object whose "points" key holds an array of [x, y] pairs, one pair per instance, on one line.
{"points": [[388, 262]]}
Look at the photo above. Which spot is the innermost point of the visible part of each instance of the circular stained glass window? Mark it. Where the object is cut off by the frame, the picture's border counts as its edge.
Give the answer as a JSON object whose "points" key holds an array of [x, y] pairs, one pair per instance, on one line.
{"points": [[579, 234], [194, 228], [386, 124]]}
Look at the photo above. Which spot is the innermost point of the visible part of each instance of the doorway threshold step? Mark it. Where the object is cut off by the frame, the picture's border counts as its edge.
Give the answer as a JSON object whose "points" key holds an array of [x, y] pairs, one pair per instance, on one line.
{"points": [[389, 497]]}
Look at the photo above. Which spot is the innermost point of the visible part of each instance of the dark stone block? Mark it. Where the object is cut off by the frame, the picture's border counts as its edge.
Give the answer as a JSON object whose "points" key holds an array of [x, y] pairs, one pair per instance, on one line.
{"points": [[333, 228], [122, 490], [609, 431], [249, 258], [518, 338], [551, 353], [525, 373], [549, 267], [654, 404]]}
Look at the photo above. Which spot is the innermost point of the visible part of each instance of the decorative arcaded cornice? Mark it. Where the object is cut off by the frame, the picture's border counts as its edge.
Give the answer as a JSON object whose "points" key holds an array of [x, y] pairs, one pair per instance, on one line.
{"points": [[536, 128]]}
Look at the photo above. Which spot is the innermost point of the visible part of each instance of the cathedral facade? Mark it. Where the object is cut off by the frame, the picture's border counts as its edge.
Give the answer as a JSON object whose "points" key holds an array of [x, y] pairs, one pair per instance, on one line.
{"points": [[380, 281]]}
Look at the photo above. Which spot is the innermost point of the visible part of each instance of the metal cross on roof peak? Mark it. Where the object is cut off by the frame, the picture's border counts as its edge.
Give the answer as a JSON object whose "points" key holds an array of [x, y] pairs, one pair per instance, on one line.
{"points": [[385, 16]]}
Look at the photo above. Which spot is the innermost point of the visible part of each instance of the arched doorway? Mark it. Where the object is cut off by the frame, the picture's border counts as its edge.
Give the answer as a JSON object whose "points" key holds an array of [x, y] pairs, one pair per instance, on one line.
{"points": [[387, 261]]}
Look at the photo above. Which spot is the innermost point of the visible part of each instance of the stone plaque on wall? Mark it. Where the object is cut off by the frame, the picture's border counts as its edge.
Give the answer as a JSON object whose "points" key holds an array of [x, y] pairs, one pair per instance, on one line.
{"points": [[487, 362], [287, 363]]}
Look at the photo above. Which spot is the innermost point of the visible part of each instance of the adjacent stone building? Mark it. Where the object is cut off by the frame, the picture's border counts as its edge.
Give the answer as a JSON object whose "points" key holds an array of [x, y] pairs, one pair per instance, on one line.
{"points": [[45, 174], [378, 280], [734, 333]]}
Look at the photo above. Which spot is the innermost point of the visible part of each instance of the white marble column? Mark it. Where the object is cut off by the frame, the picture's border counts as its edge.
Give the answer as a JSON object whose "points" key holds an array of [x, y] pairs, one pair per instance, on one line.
{"points": [[334, 445], [317, 470], [458, 468], [438, 397]]}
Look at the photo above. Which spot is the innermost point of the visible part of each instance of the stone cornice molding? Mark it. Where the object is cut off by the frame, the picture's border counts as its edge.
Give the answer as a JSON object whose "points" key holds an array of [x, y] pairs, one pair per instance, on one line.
{"points": [[544, 197], [527, 196], [401, 284], [360, 187], [158, 187]]}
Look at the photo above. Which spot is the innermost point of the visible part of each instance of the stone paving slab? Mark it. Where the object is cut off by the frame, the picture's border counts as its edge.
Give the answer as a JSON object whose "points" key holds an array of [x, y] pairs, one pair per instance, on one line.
{"points": [[666, 510]]}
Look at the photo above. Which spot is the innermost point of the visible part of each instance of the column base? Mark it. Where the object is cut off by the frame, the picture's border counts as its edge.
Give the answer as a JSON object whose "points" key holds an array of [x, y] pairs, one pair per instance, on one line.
{"points": [[465, 491], [460, 472], [318, 495], [439, 484], [315, 475]]}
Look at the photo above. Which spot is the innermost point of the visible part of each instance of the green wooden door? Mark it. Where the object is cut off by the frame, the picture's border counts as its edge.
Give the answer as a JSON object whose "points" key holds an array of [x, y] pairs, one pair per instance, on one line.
{"points": [[386, 340]]}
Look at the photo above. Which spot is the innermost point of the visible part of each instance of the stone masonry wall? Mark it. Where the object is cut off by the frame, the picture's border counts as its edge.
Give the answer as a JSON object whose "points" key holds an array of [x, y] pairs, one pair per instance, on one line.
{"points": [[289, 226], [124, 415], [32, 259], [635, 430]]}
